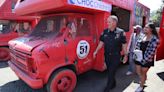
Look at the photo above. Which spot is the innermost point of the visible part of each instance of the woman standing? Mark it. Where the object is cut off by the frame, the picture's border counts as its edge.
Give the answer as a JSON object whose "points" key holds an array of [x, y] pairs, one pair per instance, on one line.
{"points": [[148, 46]]}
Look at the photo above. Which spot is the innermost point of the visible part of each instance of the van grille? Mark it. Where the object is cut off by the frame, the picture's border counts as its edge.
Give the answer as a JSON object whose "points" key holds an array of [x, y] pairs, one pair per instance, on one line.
{"points": [[19, 59]]}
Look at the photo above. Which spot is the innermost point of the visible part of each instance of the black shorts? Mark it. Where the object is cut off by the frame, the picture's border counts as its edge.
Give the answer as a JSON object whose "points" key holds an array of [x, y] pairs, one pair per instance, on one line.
{"points": [[147, 65]]}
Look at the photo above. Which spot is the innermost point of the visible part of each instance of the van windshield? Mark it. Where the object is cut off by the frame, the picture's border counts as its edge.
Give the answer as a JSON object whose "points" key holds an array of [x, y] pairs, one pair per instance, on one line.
{"points": [[49, 27]]}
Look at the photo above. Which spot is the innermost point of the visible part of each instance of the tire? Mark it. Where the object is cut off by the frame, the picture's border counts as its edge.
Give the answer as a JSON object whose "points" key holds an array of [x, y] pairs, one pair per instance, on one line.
{"points": [[62, 80], [4, 54]]}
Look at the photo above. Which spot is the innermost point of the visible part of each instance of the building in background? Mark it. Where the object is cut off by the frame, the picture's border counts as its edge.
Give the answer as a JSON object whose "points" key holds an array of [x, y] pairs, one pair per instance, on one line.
{"points": [[141, 14]]}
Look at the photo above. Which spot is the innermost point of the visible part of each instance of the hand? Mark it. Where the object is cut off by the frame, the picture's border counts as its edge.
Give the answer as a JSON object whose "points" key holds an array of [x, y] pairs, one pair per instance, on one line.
{"points": [[125, 59], [143, 62], [94, 54]]}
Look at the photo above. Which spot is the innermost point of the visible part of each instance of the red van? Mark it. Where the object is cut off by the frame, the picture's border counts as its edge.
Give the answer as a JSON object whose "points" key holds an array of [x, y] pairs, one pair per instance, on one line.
{"points": [[61, 45], [12, 26], [160, 50]]}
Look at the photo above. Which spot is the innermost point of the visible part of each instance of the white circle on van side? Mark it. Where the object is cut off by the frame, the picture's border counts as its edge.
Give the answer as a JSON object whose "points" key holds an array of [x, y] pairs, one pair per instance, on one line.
{"points": [[83, 48]]}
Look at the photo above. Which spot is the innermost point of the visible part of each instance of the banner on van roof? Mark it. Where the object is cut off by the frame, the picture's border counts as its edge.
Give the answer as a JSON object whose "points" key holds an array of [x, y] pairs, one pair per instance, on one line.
{"points": [[92, 4]]}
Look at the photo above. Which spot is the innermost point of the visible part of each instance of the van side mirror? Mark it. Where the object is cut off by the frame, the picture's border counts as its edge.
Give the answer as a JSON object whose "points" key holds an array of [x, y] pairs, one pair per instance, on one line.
{"points": [[65, 41]]}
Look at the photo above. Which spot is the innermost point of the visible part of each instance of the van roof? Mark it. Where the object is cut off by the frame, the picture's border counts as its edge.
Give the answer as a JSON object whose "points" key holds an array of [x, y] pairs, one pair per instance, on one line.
{"points": [[42, 7]]}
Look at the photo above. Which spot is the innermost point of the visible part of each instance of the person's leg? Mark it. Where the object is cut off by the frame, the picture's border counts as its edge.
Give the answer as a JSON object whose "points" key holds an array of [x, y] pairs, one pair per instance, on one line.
{"points": [[115, 64], [111, 79], [108, 64], [138, 70], [131, 67], [130, 62], [143, 75], [112, 67]]}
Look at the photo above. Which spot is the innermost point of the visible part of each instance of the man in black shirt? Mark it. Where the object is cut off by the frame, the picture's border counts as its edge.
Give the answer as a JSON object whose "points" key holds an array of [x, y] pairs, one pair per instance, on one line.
{"points": [[113, 39]]}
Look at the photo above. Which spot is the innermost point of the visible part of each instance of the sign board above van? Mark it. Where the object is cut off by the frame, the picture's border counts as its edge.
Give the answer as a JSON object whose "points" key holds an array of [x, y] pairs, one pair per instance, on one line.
{"points": [[92, 4], [126, 4]]}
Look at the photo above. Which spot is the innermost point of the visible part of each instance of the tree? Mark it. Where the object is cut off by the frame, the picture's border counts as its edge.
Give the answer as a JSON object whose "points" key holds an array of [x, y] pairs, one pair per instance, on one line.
{"points": [[156, 15]]}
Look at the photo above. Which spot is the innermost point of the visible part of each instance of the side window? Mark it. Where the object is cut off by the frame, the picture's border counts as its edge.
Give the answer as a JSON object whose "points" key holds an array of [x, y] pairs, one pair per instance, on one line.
{"points": [[1, 27], [56, 24], [63, 23], [23, 28], [50, 26], [27, 27], [72, 26], [83, 27], [6, 27]]}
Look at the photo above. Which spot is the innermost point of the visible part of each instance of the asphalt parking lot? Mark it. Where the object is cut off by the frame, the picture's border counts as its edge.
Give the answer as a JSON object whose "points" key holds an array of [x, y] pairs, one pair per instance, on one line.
{"points": [[91, 81]]}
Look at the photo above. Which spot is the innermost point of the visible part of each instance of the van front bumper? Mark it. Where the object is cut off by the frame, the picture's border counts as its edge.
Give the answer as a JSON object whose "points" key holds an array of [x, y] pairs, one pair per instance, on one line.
{"points": [[33, 83]]}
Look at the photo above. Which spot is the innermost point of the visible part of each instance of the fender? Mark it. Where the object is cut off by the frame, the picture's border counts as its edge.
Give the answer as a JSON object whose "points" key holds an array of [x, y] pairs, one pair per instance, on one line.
{"points": [[63, 65]]}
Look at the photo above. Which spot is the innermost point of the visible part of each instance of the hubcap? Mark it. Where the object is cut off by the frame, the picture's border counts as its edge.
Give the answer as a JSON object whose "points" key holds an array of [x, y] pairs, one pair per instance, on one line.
{"points": [[64, 84]]}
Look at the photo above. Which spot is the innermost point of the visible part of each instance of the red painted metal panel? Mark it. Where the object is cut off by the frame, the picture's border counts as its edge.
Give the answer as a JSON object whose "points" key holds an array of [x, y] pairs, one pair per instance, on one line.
{"points": [[40, 7], [160, 50], [126, 4], [35, 6], [7, 13]]}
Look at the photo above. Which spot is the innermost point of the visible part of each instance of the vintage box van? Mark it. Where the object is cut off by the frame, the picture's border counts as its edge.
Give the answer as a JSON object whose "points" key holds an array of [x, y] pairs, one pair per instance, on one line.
{"points": [[61, 46]]}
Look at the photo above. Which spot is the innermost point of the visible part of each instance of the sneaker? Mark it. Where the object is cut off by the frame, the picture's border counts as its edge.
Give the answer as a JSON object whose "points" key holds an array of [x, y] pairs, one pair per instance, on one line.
{"points": [[139, 89], [129, 73]]}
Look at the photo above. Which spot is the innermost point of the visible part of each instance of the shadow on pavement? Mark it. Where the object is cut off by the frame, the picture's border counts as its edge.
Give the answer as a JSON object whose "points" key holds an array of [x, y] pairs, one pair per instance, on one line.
{"points": [[91, 81], [124, 81], [18, 86], [161, 75], [94, 81], [3, 64]]}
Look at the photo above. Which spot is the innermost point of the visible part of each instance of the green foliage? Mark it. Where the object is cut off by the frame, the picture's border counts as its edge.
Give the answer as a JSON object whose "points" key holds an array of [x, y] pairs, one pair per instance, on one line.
{"points": [[156, 15]]}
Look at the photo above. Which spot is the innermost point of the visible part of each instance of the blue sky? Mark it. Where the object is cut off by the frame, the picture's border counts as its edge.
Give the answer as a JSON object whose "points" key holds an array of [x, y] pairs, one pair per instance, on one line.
{"points": [[152, 4]]}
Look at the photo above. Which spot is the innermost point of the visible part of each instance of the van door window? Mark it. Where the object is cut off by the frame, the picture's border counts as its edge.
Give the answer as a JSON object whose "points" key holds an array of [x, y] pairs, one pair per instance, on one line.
{"points": [[83, 27], [72, 28]]}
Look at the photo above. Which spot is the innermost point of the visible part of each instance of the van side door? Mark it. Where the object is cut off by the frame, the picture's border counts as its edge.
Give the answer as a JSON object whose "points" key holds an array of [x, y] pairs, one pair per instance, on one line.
{"points": [[81, 46]]}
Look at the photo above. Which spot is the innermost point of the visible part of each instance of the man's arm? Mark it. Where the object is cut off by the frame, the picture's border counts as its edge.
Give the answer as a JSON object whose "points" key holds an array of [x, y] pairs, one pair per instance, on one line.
{"points": [[100, 45], [125, 53], [125, 49]]}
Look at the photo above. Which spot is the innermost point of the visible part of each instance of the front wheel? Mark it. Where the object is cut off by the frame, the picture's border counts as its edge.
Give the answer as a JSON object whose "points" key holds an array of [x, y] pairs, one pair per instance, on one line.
{"points": [[4, 54], [63, 80]]}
